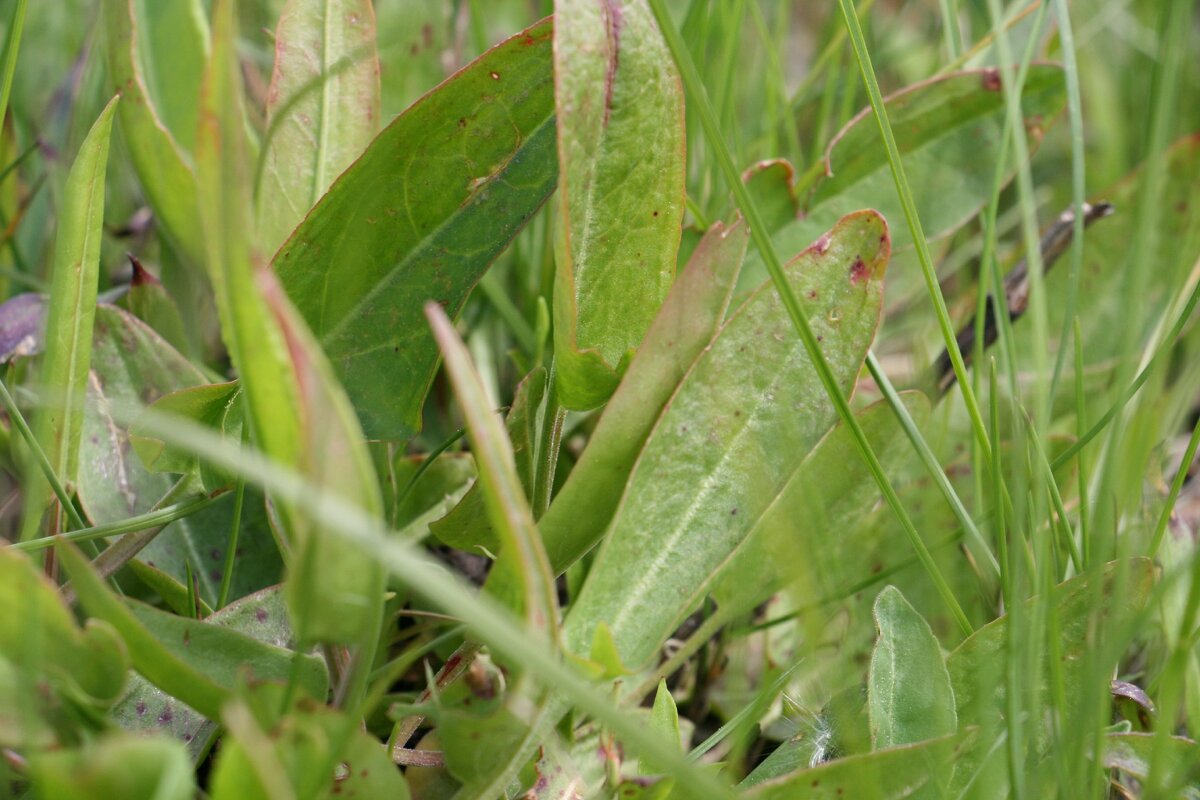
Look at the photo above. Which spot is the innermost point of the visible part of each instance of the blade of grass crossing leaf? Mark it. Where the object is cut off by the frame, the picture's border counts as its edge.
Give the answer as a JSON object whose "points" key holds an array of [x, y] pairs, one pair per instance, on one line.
{"points": [[60, 491], [932, 467], [494, 624], [758, 232], [73, 289], [914, 223], [152, 519]]}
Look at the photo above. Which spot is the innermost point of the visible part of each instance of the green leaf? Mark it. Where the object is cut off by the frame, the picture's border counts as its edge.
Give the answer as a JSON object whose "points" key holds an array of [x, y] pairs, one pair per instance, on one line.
{"points": [[831, 490], [132, 366], [948, 131], [749, 410], [74, 284], [310, 753], [529, 710], [217, 406], [116, 765], [909, 694], [150, 657], [171, 43], [621, 161], [689, 319], [1083, 605], [419, 217], [467, 527], [298, 414], [162, 164], [144, 707], [772, 184], [47, 660], [664, 722], [322, 107], [150, 302], [889, 774]]}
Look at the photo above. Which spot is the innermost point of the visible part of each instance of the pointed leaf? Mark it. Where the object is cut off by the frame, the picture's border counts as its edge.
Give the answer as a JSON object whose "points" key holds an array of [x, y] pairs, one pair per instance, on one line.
{"points": [[908, 690], [743, 419], [621, 165], [298, 414], [467, 527], [323, 107], [664, 722], [74, 284], [419, 217]]}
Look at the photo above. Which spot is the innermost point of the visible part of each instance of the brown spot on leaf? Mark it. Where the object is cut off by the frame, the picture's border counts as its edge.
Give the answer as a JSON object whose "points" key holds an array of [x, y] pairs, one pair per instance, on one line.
{"points": [[858, 271], [991, 79]]}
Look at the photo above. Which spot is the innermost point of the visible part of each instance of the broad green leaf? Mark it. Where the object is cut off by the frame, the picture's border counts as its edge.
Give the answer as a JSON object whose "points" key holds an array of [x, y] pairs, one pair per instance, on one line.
{"points": [[74, 284], [831, 490], [748, 411], [132, 367], [889, 774], [436, 491], [419, 217], [664, 722], [47, 661], [115, 765], [908, 690], [144, 707], [974, 664], [467, 527], [323, 107], [162, 164], [948, 130], [1132, 753], [529, 711], [621, 165], [298, 415], [689, 319]]}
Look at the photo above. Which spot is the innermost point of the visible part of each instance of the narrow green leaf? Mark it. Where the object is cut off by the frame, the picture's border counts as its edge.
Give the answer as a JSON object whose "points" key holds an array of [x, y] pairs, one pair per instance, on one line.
{"points": [[468, 527], [621, 161], [149, 300], [507, 505], [889, 774], [742, 420], [298, 414], [420, 216], [690, 317], [322, 107], [908, 690], [74, 284]]}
